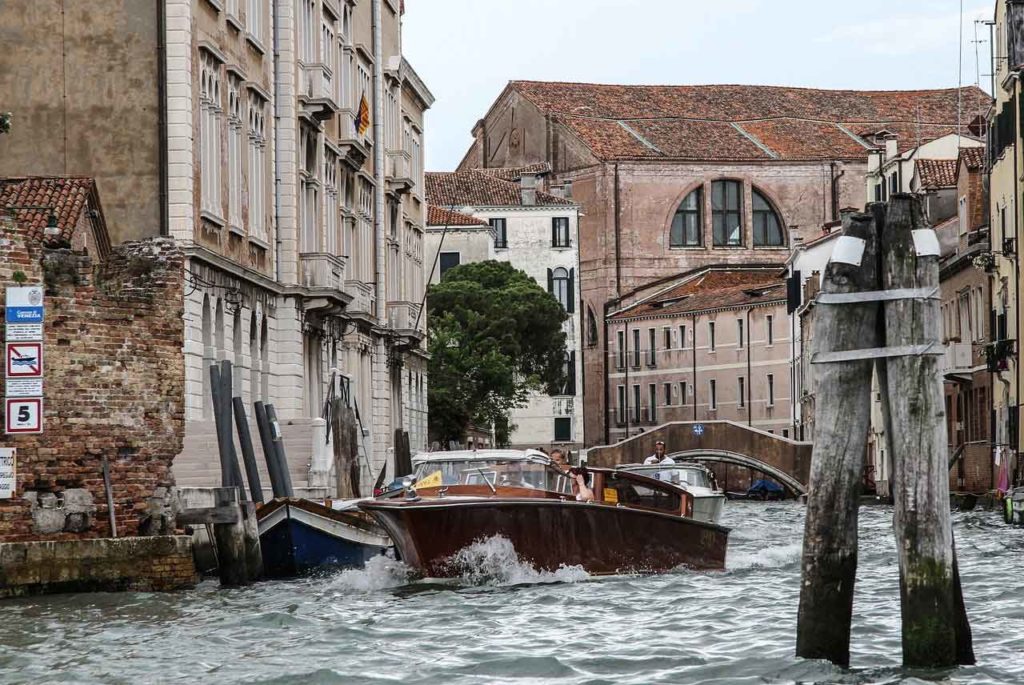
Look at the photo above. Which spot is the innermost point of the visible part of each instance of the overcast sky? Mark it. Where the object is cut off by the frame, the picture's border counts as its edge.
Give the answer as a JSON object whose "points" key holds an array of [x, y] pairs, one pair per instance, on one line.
{"points": [[467, 50]]}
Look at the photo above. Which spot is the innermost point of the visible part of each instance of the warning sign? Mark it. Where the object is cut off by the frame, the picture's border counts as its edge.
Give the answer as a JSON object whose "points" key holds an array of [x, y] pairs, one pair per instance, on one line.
{"points": [[23, 415], [24, 360], [8, 472]]}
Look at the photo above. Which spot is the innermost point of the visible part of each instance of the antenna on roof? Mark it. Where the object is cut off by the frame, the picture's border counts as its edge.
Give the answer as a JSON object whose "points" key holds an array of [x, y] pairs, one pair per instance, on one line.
{"points": [[960, 76]]}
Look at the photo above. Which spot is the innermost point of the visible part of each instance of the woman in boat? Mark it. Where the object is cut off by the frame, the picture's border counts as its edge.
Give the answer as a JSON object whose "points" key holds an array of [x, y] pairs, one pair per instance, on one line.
{"points": [[577, 477]]}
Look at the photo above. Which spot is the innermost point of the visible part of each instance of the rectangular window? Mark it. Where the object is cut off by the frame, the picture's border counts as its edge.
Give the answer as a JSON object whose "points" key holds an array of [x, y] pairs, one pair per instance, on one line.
{"points": [[739, 332], [254, 19], [210, 110], [500, 233], [769, 329], [712, 396], [560, 231], [636, 348], [682, 392], [667, 334], [652, 359], [726, 213], [771, 389], [741, 391], [785, 432], [652, 398], [235, 150], [621, 351], [570, 374], [621, 410], [668, 394], [711, 336], [449, 260], [563, 429], [682, 337], [636, 403]]}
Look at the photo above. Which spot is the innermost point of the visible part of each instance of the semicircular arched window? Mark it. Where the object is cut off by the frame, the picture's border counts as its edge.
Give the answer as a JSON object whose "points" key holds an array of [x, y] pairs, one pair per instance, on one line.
{"points": [[688, 224], [767, 226]]}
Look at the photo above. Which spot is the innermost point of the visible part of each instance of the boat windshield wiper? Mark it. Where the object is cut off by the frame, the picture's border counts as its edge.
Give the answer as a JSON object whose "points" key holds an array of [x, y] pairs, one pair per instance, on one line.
{"points": [[489, 483]]}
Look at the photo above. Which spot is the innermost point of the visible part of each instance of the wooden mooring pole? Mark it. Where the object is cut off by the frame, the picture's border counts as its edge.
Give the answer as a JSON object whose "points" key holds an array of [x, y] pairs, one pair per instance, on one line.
{"points": [[843, 406], [935, 628]]}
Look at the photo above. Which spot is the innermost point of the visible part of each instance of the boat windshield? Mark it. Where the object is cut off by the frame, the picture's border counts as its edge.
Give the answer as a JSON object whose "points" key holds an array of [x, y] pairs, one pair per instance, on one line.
{"points": [[497, 472], [677, 475]]}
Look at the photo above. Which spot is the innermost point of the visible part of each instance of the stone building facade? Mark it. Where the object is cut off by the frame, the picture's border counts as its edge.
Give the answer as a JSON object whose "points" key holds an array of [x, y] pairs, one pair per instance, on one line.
{"points": [[708, 345], [657, 168], [538, 233], [280, 143], [113, 375]]}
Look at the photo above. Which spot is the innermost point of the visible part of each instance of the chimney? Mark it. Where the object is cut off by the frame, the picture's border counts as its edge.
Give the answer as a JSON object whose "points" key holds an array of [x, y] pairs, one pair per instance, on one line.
{"points": [[891, 148], [528, 188]]}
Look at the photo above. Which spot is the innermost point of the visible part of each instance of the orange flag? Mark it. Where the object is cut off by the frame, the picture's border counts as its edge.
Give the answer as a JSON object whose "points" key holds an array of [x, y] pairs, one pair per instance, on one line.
{"points": [[363, 122]]}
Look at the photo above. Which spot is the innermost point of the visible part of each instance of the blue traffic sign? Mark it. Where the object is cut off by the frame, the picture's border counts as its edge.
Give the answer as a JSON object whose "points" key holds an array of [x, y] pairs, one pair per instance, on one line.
{"points": [[698, 429]]}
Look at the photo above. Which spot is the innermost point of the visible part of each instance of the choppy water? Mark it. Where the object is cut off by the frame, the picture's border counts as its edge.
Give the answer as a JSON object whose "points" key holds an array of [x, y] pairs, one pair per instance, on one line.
{"points": [[505, 622]]}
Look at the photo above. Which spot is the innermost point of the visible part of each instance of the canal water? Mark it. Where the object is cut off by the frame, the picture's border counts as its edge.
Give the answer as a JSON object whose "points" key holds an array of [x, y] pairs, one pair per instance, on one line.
{"points": [[504, 622]]}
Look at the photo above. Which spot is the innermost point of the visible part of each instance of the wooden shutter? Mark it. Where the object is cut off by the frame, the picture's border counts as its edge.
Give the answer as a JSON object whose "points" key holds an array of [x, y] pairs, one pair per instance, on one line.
{"points": [[551, 282], [571, 304]]}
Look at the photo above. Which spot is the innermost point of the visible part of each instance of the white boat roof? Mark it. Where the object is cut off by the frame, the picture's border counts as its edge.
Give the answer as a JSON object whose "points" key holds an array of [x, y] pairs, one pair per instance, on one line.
{"points": [[481, 455], [663, 467]]}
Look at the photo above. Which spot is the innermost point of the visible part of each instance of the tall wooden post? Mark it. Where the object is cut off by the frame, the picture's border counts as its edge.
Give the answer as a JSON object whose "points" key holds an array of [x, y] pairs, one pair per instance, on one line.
{"points": [[346, 449], [843, 406], [933, 623]]}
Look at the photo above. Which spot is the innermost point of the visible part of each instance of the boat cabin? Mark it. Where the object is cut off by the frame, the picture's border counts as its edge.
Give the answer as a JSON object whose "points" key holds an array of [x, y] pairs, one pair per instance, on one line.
{"points": [[687, 474]]}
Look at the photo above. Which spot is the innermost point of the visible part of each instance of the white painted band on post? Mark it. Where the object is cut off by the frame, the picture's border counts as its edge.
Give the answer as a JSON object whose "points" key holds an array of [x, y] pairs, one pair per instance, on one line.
{"points": [[849, 250], [926, 242], [877, 353], [878, 296]]}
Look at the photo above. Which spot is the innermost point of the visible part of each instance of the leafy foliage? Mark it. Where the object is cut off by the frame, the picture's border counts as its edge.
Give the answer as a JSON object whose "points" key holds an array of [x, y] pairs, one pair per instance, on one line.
{"points": [[494, 335]]}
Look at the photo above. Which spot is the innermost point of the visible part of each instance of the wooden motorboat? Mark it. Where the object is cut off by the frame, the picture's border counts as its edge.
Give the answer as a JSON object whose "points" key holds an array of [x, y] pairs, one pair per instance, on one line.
{"points": [[697, 479], [299, 537], [635, 523]]}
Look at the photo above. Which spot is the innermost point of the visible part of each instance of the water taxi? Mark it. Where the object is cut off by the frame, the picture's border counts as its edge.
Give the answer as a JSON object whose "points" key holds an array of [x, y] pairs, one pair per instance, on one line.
{"points": [[634, 523], [697, 479]]}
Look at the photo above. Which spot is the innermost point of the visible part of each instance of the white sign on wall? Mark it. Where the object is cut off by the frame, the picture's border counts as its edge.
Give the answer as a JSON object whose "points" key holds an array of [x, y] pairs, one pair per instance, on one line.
{"points": [[24, 415], [8, 472]]}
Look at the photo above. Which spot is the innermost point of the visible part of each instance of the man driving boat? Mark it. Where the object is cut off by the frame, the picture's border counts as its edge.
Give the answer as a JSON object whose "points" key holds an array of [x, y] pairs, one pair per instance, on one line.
{"points": [[659, 456]]}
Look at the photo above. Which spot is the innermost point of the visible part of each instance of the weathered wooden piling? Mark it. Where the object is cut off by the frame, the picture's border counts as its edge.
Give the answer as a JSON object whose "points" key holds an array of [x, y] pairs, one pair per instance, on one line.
{"points": [[229, 537], [344, 440], [269, 449], [933, 624], [279, 452], [843, 406], [226, 409], [252, 474]]}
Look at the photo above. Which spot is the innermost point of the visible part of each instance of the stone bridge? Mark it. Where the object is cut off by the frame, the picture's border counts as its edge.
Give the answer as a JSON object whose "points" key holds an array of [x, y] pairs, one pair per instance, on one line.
{"points": [[736, 452]]}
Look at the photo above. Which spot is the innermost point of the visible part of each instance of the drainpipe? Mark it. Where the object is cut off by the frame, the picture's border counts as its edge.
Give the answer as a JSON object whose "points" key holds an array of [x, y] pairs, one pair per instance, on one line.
{"points": [[378, 160], [750, 380], [693, 354], [277, 138], [618, 278], [161, 90], [1016, 280], [628, 389]]}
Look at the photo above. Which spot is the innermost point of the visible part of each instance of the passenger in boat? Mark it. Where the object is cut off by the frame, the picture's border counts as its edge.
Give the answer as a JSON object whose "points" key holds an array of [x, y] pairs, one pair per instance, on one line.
{"points": [[559, 459], [577, 476], [659, 456]]}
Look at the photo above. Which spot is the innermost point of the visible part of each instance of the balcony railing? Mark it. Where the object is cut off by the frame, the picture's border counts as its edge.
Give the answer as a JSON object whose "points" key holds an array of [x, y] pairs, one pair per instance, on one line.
{"points": [[317, 91], [402, 315], [322, 270], [362, 297], [957, 358]]}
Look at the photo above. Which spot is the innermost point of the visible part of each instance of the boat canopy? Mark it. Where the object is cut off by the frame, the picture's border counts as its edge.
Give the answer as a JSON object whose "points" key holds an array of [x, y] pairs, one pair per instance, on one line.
{"points": [[685, 473], [516, 468]]}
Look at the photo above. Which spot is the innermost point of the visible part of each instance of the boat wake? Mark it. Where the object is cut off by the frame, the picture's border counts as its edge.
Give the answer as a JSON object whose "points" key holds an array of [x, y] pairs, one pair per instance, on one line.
{"points": [[494, 561], [380, 573], [768, 557]]}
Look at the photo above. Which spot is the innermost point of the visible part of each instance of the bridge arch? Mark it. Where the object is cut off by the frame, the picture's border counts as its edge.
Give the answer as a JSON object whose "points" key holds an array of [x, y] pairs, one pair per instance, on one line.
{"points": [[726, 457]]}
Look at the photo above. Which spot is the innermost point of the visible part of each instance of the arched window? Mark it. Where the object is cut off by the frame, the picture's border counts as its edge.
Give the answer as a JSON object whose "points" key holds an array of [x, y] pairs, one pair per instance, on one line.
{"points": [[560, 284], [726, 213], [687, 224], [767, 226]]}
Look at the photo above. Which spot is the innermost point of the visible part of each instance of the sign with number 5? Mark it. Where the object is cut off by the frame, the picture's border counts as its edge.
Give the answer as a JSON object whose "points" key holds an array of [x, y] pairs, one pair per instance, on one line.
{"points": [[24, 415]]}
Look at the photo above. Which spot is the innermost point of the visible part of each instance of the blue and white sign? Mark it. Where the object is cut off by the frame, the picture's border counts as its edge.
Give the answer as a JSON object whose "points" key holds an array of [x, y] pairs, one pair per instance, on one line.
{"points": [[25, 304], [698, 429]]}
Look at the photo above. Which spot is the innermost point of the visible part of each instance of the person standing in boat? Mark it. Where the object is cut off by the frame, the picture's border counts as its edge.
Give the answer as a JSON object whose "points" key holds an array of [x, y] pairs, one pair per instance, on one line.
{"points": [[576, 477], [659, 456]]}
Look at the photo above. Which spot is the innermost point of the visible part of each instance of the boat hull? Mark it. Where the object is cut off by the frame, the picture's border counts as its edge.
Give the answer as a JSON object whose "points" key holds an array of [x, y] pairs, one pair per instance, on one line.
{"points": [[549, 533], [301, 538]]}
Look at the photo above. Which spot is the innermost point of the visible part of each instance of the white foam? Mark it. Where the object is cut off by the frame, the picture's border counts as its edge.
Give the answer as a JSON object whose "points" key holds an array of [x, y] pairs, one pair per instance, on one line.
{"points": [[494, 561], [379, 573], [769, 557]]}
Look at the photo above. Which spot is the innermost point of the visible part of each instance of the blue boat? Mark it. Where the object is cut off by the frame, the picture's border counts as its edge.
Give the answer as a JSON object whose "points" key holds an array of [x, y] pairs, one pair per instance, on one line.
{"points": [[300, 537]]}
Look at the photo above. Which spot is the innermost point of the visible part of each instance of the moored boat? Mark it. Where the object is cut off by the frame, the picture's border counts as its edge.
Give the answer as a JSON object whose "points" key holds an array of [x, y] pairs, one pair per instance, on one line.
{"points": [[697, 479], [299, 536], [634, 524]]}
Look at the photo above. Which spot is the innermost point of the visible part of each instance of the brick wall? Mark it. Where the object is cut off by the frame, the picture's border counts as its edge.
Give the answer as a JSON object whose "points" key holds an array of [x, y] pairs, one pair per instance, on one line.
{"points": [[114, 387]]}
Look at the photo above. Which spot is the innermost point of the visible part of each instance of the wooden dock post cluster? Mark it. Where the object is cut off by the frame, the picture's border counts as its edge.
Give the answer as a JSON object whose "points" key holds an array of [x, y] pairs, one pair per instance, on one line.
{"points": [[879, 309]]}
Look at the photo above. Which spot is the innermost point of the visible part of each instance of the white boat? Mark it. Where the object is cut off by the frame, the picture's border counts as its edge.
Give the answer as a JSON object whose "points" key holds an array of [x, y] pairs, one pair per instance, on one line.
{"points": [[697, 479]]}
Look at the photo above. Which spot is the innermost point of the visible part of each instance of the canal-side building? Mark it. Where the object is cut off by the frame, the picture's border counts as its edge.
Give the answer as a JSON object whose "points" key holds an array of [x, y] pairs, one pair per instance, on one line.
{"points": [[711, 344], [537, 232], [674, 178], [281, 145]]}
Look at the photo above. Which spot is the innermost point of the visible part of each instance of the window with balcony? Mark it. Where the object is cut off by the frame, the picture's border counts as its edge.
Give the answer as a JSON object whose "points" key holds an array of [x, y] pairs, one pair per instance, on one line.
{"points": [[309, 168], [767, 226], [560, 231], [332, 243], [727, 213], [500, 228], [235, 162], [257, 181], [307, 31], [687, 224], [210, 112]]}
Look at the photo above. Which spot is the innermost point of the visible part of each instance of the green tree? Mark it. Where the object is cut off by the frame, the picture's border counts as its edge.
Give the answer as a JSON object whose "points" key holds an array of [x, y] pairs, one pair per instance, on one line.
{"points": [[494, 335]]}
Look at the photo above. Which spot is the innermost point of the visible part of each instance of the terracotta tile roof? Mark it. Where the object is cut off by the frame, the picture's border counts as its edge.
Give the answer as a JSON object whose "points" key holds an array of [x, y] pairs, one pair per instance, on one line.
{"points": [[713, 288], [516, 172], [937, 173], [68, 197], [475, 189], [442, 216], [974, 157], [725, 122]]}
